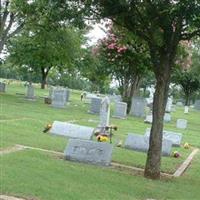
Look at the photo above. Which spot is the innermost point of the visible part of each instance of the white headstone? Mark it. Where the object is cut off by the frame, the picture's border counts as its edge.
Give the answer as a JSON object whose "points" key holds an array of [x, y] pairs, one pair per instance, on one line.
{"points": [[167, 117], [169, 105], [105, 112], [120, 110], [181, 123], [149, 119], [71, 130], [186, 110]]}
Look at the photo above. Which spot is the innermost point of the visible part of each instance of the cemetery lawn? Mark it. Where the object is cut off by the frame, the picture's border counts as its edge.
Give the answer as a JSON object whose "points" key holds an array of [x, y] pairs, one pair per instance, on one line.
{"points": [[35, 174]]}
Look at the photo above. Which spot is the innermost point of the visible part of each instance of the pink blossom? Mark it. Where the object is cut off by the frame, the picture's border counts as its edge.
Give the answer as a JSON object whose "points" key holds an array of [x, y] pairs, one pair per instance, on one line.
{"points": [[111, 46]]}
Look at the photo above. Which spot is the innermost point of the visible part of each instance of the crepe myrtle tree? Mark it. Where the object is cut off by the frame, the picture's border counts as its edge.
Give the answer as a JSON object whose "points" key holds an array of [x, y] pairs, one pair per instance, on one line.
{"points": [[128, 61], [162, 24]]}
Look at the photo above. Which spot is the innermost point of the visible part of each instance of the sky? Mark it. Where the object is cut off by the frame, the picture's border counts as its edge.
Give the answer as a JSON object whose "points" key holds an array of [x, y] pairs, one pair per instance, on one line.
{"points": [[96, 33]]}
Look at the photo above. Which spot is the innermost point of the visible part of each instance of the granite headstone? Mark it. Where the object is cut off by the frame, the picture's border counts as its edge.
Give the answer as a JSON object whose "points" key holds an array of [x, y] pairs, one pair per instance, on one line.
{"points": [[141, 143], [120, 110], [168, 135], [138, 106], [71, 130], [95, 105], [97, 153], [58, 98], [2, 87]]}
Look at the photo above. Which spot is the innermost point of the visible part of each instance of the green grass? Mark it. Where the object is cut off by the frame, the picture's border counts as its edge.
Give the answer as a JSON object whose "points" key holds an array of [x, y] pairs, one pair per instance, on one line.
{"points": [[35, 174]]}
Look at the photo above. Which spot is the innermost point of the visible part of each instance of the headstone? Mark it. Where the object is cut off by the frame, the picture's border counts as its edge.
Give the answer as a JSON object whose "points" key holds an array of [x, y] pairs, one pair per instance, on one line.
{"points": [[173, 108], [141, 143], [149, 119], [181, 123], [138, 107], [197, 105], [97, 153], [105, 112], [168, 135], [186, 110], [30, 92], [95, 105], [51, 92], [71, 130], [67, 92], [120, 110], [2, 87], [169, 105], [58, 98], [167, 117]]}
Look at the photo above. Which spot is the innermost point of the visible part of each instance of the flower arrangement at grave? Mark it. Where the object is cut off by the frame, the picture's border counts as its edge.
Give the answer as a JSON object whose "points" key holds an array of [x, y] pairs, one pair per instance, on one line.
{"points": [[176, 154], [47, 128], [106, 135], [186, 146]]}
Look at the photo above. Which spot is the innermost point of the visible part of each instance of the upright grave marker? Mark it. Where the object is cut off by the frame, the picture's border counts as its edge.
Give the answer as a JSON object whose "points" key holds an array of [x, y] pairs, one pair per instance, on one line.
{"points": [[2, 87], [181, 123], [197, 104], [95, 105], [58, 98], [30, 92], [105, 112], [98, 153], [120, 110], [138, 107]]}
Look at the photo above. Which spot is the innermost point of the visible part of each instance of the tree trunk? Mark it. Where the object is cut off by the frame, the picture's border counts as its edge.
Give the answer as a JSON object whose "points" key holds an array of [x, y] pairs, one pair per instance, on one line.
{"points": [[44, 78], [129, 91], [187, 100], [153, 162]]}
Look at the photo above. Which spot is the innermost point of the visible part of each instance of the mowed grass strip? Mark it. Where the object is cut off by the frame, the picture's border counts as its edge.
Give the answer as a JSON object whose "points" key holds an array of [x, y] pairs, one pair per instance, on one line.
{"points": [[41, 175], [95, 182]]}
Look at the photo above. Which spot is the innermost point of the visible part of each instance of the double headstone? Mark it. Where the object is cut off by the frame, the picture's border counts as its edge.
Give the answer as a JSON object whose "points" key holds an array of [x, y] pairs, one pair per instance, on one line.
{"points": [[120, 110], [59, 98], [30, 92], [105, 112], [71, 130], [197, 105], [95, 105], [138, 107], [174, 137], [2, 87], [141, 143], [97, 153], [181, 123]]}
